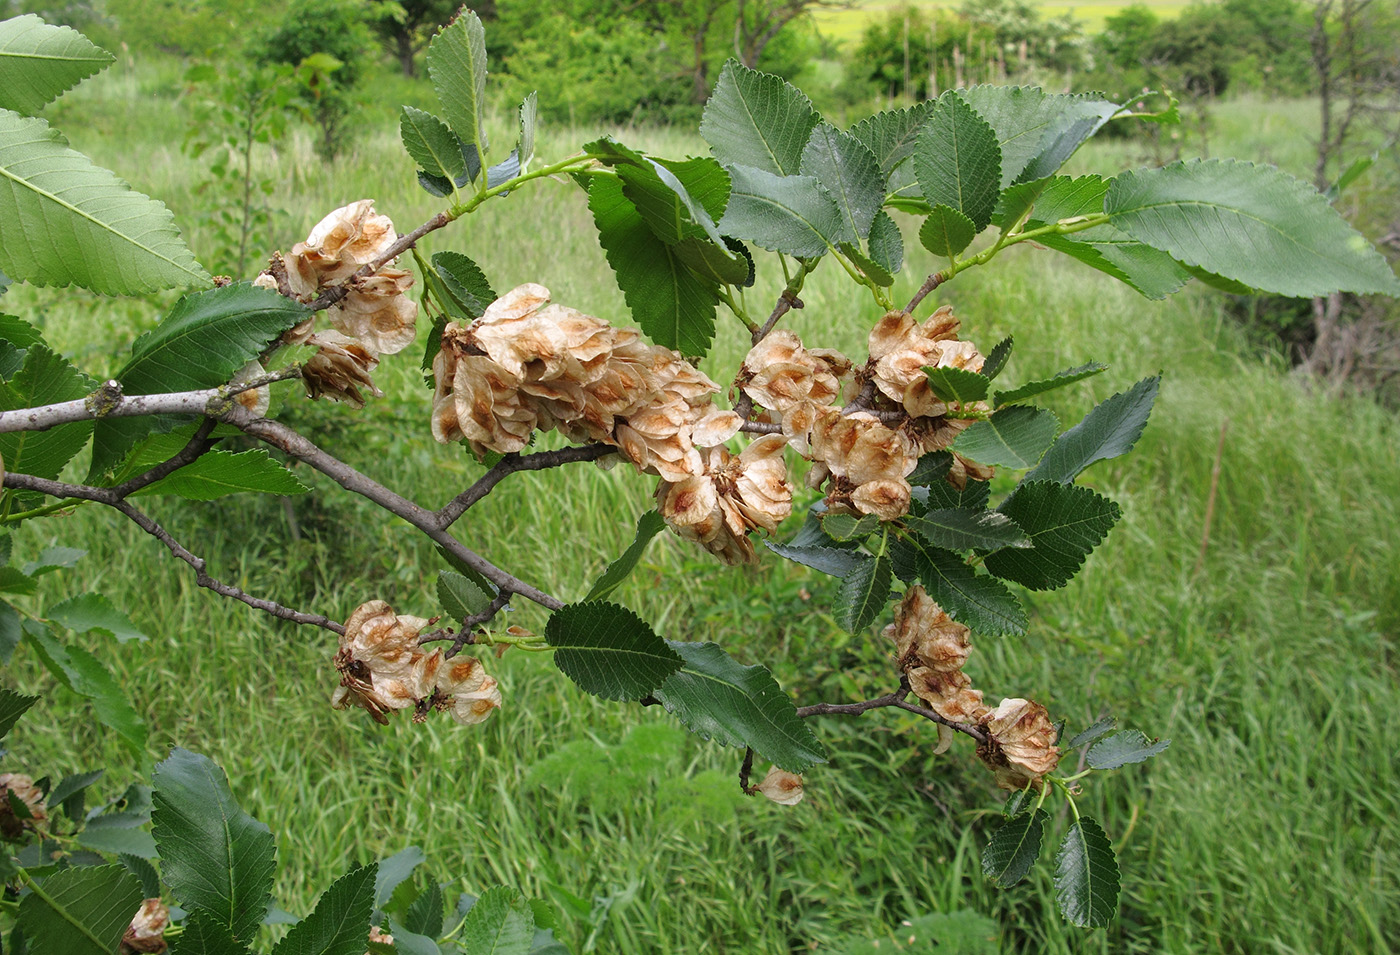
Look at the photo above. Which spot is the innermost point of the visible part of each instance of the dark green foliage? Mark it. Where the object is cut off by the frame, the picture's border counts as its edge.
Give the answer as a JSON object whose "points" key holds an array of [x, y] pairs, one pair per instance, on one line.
{"points": [[328, 43]]}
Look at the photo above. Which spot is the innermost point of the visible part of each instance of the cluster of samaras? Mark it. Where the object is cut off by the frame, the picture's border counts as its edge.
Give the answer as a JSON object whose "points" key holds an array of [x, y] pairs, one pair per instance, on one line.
{"points": [[375, 317], [528, 364]]}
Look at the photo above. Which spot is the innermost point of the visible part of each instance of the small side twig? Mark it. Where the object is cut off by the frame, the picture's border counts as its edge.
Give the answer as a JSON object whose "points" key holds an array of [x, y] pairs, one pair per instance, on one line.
{"points": [[930, 283], [895, 699], [511, 464], [401, 245], [467, 634], [786, 302]]}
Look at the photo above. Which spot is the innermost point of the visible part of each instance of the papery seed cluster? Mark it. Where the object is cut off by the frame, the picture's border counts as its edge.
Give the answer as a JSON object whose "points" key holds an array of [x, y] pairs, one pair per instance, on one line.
{"points": [[383, 668], [529, 364], [931, 649], [375, 317]]}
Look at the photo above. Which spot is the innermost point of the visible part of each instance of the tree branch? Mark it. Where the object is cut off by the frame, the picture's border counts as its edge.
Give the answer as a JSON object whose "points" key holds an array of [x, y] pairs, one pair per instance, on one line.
{"points": [[930, 283], [895, 699], [112, 498], [401, 245], [285, 439], [109, 402], [511, 464]]}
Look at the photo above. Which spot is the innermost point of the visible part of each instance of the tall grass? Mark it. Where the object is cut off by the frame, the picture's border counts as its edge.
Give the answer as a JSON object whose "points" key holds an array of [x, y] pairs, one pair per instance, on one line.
{"points": [[1269, 826]]}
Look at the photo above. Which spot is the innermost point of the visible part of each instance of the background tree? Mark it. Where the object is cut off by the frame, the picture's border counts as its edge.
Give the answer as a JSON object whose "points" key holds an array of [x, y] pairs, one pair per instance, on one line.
{"points": [[405, 26], [329, 43]]}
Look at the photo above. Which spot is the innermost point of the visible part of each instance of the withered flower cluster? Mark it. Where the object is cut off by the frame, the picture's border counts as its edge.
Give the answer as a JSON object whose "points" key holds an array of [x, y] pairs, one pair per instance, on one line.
{"points": [[530, 364], [22, 789], [383, 668], [931, 648], [864, 454], [376, 317], [146, 933]]}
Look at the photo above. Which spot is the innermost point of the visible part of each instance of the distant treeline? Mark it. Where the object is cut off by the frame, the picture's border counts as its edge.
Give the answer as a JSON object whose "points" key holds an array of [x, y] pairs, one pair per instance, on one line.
{"points": [[644, 60]]}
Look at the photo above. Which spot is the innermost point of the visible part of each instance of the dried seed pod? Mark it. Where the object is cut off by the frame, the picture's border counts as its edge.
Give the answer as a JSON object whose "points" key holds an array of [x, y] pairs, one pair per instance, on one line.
{"points": [[22, 788], [1021, 745], [378, 312], [146, 933], [925, 636], [339, 369], [781, 786], [466, 691]]}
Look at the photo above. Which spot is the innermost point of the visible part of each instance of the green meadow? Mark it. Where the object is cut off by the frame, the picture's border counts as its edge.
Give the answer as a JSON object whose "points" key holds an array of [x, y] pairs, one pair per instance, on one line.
{"points": [[847, 22], [1272, 824]]}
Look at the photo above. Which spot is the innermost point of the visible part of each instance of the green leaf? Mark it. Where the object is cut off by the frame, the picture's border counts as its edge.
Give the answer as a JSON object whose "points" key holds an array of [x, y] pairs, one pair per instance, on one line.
{"points": [[735, 705], [393, 871], [500, 923], [1016, 203], [946, 231], [118, 840], [758, 120], [1350, 175], [892, 136], [202, 935], [217, 474], [1014, 848], [90, 611], [1253, 224], [1036, 131], [1152, 272], [847, 527], [431, 144], [864, 592], [1064, 522], [39, 61], [54, 558], [670, 303], [872, 270], [204, 340], [828, 560], [1120, 749], [64, 221], [1079, 117], [16, 335], [648, 526], [886, 244], [407, 942], [12, 707], [465, 282], [930, 468], [1014, 437], [45, 378], [529, 115], [216, 858], [85, 675], [791, 214], [1110, 430], [457, 66], [460, 597], [958, 161], [996, 359], [340, 922], [965, 528], [1017, 803], [12, 581], [976, 600], [848, 171], [424, 916], [1086, 878], [957, 384], [609, 651], [1092, 732], [1032, 388], [80, 911], [145, 872]]}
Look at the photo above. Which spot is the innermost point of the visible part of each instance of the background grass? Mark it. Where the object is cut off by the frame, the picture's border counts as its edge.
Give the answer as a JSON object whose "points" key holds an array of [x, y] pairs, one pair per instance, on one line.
{"points": [[1269, 826]]}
